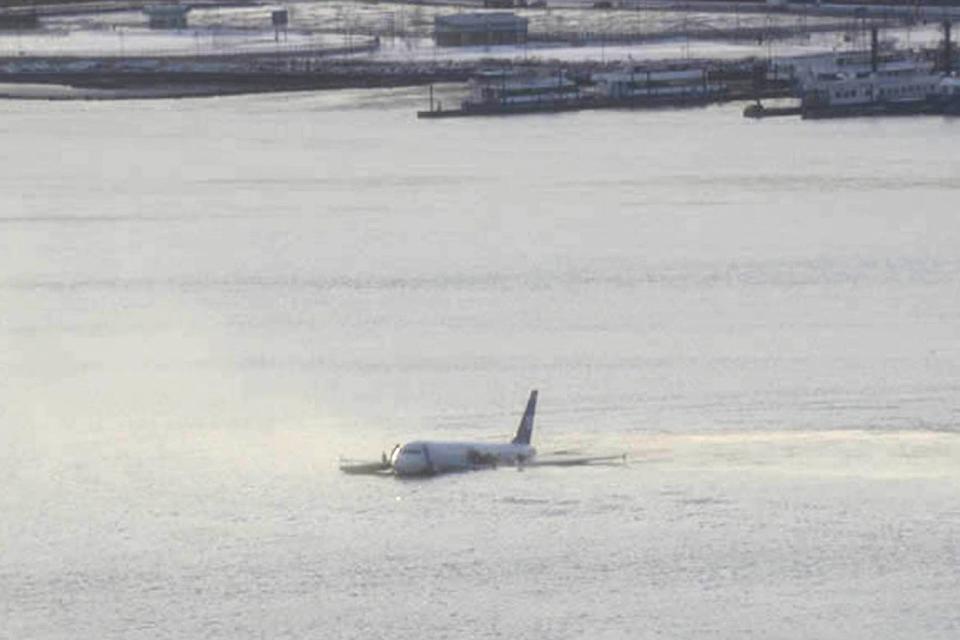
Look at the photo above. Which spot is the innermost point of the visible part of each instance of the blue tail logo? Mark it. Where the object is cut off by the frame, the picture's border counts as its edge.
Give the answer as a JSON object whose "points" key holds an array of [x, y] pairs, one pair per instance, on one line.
{"points": [[525, 430]]}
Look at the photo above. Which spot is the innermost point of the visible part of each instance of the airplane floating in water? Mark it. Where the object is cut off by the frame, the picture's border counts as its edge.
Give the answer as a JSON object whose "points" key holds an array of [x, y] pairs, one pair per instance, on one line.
{"points": [[421, 458]]}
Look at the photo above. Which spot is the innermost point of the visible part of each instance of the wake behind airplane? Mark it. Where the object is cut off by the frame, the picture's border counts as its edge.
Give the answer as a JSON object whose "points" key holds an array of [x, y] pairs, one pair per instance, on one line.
{"points": [[425, 458]]}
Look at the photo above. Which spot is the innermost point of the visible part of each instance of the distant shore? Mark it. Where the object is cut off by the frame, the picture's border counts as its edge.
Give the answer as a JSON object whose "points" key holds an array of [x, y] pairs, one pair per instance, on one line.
{"points": [[119, 86], [113, 60]]}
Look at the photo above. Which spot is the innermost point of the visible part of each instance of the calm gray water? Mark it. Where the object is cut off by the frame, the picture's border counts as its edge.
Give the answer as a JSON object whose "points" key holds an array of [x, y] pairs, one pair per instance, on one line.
{"points": [[204, 303]]}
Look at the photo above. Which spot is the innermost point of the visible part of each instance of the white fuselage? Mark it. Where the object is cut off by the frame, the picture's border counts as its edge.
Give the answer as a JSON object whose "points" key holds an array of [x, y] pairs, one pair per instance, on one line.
{"points": [[424, 458]]}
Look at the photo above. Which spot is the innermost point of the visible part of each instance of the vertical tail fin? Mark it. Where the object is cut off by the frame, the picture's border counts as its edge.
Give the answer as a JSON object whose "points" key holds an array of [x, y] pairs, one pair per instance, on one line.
{"points": [[525, 430]]}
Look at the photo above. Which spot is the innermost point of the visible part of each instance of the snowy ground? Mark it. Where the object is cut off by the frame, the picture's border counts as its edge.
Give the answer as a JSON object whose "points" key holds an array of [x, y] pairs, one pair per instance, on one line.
{"points": [[132, 42], [389, 19], [423, 49], [136, 41]]}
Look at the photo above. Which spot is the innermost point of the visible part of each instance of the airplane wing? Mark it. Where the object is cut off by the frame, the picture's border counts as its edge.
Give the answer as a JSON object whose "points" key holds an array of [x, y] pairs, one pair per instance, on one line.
{"points": [[384, 469], [360, 468], [577, 462]]}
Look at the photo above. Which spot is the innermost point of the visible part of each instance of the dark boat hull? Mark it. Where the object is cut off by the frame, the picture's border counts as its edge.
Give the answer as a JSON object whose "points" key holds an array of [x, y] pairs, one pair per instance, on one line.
{"points": [[906, 108], [591, 102]]}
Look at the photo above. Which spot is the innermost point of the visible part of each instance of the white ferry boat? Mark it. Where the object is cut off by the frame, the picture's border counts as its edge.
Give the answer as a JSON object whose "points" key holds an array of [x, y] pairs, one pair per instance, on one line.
{"points": [[637, 85], [509, 91], [891, 88]]}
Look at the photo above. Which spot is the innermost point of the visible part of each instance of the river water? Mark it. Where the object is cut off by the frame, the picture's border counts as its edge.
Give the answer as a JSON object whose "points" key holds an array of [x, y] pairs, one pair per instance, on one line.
{"points": [[203, 303]]}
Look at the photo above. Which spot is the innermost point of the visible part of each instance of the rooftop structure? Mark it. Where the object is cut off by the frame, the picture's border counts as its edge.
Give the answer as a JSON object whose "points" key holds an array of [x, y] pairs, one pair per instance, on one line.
{"points": [[479, 29]]}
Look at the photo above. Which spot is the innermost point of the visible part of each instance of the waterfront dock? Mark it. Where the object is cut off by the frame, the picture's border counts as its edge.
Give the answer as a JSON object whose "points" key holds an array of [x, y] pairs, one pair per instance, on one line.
{"points": [[581, 104], [722, 84]]}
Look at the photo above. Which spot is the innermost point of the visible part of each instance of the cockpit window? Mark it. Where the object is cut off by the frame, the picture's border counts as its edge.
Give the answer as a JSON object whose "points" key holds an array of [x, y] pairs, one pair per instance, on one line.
{"points": [[414, 452]]}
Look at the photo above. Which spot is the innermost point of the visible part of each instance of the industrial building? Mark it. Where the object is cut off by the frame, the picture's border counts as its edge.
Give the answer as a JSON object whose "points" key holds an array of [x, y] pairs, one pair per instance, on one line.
{"points": [[16, 20], [479, 29], [166, 16]]}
